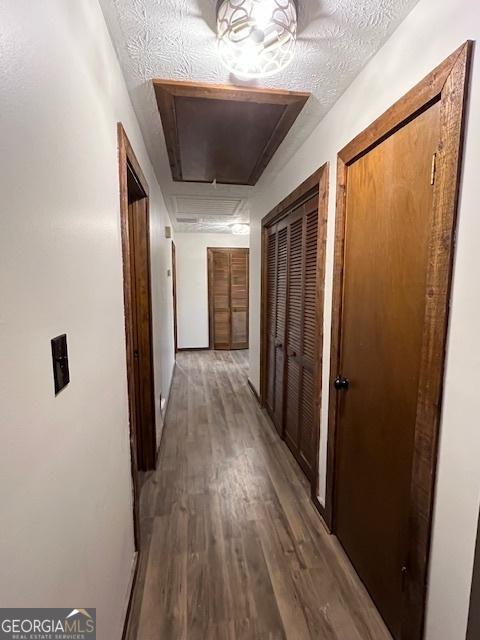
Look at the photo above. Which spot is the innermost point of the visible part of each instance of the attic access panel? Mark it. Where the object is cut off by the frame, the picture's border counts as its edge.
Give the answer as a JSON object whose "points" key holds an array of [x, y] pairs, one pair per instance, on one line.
{"points": [[223, 133]]}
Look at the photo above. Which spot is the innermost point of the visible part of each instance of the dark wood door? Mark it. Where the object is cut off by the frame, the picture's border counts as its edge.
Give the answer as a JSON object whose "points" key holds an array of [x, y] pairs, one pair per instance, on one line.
{"points": [[142, 332], [389, 197], [228, 297]]}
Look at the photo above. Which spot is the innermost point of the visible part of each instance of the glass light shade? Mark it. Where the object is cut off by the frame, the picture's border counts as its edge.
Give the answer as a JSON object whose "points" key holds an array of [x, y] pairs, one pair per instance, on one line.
{"points": [[240, 229], [256, 38]]}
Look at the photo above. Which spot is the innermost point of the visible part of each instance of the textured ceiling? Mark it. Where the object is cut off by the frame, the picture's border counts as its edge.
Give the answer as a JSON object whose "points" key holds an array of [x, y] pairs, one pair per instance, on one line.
{"points": [[175, 39]]}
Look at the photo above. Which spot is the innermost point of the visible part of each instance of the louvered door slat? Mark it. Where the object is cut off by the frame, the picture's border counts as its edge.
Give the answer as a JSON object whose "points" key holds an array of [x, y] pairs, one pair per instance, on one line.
{"points": [[309, 302], [271, 320]]}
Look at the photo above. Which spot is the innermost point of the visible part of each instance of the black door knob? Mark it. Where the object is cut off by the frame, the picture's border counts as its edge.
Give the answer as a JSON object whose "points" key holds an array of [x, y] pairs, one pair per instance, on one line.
{"points": [[341, 383]]}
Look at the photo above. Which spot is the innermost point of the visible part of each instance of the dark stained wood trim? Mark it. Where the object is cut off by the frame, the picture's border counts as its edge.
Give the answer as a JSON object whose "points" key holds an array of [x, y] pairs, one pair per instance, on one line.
{"points": [[417, 99], [448, 84], [126, 157], [337, 298], [123, 151], [210, 297], [174, 294], [320, 296], [213, 91], [317, 182], [193, 349], [127, 152], [167, 90], [253, 390], [300, 193]]}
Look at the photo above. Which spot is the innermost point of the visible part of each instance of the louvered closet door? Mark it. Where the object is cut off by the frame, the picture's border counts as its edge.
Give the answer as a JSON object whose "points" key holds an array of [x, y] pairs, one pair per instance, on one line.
{"points": [[239, 298], [276, 321], [302, 334], [310, 355], [294, 332], [280, 324], [220, 283], [271, 317]]}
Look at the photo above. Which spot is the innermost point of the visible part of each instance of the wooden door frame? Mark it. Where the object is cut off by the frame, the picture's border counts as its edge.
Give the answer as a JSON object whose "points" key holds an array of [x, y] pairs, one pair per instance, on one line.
{"points": [[317, 182], [211, 340], [126, 160], [174, 294], [448, 85]]}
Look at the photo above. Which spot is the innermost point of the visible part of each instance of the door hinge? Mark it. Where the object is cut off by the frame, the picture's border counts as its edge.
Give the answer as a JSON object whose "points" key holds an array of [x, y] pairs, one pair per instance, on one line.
{"points": [[404, 577], [434, 169]]}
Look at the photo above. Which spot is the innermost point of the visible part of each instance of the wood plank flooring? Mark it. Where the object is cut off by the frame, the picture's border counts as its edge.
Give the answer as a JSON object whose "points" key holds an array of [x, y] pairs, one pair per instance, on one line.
{"points": [[234, 549]]}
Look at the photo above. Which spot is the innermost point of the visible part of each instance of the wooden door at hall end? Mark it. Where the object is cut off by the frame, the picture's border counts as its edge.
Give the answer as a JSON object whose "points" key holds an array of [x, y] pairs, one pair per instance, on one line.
{"points": [[228, 286]]}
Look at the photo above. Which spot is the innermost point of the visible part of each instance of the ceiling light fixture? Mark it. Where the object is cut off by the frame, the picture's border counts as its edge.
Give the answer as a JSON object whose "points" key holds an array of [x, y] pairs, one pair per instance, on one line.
{"points": [[240, 229], [256, 38]]}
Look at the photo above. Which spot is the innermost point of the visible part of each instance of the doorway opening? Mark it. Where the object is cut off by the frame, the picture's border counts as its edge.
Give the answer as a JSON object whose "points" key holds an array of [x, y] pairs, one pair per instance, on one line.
{"points": [[134, 215]]}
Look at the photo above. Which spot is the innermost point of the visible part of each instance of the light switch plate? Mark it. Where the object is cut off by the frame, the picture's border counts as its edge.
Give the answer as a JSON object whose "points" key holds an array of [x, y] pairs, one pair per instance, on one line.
{"points": [[61, 372]]}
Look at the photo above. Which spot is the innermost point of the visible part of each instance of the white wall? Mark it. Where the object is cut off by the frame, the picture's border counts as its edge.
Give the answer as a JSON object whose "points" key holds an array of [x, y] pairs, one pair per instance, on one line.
{"points": [[192, 283], [429, 34], [66, 535]]}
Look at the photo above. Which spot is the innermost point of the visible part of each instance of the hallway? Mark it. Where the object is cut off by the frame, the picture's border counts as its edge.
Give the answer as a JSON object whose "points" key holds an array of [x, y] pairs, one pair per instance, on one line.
{"points": [[236, 548]]}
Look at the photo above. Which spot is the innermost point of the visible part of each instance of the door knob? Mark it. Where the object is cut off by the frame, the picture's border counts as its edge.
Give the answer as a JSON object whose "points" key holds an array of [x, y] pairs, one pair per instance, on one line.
{"points": [[341, 383]]}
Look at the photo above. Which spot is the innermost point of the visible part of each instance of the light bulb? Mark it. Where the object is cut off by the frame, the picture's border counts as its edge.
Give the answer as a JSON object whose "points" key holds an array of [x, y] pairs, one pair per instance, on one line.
{"points": [[256, 38], [262, 13]]}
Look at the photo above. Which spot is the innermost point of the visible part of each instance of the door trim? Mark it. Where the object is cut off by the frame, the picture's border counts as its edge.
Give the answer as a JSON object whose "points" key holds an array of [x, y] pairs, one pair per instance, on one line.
{"points": [[127, 158], [318, 181], [174, 294], [448, 85]]}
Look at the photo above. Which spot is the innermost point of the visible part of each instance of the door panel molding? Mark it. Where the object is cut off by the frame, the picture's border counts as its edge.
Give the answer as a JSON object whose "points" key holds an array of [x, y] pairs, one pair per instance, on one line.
{"points": [[447, 85], [296, 205]]}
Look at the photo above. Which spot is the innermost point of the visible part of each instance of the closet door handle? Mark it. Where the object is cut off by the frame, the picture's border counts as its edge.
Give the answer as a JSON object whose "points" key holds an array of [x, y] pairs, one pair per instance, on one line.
{"points": [[341, 383]]}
